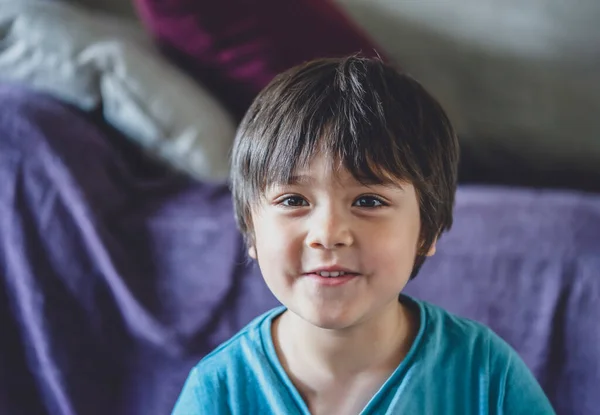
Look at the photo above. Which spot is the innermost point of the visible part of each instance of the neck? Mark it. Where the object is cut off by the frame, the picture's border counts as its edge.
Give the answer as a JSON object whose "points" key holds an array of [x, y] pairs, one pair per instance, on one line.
{"points": [[377, 344]]}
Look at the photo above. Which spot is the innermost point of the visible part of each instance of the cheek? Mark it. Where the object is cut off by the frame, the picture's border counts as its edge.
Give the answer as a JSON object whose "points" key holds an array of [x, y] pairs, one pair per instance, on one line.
{"points": [[393, 245], [276, 241]]}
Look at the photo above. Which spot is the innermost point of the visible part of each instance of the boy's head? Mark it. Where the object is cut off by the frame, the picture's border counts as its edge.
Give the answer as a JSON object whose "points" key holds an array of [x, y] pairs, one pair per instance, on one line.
{"points": [[360, 115]]}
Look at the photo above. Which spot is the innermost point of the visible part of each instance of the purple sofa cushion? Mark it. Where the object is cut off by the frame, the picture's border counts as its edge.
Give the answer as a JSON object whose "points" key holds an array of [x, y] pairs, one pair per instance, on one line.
{"points": [[117, 274]]}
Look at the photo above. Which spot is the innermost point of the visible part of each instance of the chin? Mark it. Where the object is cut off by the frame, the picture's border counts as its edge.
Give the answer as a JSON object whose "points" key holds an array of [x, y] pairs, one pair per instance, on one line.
{"points": [[329, 319]]}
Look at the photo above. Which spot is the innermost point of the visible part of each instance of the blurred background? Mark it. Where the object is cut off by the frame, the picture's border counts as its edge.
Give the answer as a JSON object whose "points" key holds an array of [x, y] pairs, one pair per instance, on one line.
{"points": [[520, 79], [120, 260]]}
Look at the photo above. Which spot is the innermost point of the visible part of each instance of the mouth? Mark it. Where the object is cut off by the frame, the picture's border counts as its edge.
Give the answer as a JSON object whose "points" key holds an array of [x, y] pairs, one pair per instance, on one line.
{"points": [[332, 276], [332, 271]]}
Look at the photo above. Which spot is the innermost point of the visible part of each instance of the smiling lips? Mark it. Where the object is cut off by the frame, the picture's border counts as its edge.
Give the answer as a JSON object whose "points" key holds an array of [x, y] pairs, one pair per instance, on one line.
{"points": [[332, 271], [332, 276]]}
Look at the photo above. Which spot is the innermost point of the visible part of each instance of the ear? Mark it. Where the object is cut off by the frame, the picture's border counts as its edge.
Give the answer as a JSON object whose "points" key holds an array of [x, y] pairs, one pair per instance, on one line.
{"points": [[432, 249], [252, 252]]}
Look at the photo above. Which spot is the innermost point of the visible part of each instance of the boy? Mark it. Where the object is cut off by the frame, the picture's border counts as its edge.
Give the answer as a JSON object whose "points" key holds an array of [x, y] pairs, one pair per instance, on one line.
{"points": [[343, 177]]}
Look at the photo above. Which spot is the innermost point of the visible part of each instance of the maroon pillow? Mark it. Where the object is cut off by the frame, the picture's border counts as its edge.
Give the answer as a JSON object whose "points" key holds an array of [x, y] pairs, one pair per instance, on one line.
{"points": [[235, 47]]}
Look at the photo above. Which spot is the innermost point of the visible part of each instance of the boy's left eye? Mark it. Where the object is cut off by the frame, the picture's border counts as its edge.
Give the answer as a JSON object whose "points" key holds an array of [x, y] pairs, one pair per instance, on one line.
{"points": [[293, 201], [369, 202]]}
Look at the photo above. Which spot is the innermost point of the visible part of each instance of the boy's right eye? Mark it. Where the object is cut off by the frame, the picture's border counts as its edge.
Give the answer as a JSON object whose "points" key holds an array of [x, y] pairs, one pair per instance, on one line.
{"points": [[293, 201]]}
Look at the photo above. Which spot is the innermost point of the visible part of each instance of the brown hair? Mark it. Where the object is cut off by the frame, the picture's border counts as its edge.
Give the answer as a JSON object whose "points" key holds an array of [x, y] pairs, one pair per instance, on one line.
{"points": [[378, 122]]}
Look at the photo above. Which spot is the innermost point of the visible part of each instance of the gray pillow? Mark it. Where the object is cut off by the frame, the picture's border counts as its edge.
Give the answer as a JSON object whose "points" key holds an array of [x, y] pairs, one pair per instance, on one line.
{"points": [[92, 60]]}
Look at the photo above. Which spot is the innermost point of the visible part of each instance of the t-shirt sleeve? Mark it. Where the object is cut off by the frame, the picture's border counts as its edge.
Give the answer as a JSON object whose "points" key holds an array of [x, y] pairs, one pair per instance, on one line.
{"points": [[200, 396], [518, 390]]}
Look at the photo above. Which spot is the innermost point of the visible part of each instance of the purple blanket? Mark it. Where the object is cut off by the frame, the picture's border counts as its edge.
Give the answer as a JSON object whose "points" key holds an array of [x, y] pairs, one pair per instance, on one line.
{"points": [[118, 275]]}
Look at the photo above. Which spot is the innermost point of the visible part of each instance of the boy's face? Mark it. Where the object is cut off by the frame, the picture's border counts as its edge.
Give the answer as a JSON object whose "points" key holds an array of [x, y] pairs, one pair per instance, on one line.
{"points": [[327, 220]]}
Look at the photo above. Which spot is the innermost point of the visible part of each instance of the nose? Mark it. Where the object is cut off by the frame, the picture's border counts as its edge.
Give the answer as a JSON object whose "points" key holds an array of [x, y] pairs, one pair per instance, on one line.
{"points": [[329, 229]]}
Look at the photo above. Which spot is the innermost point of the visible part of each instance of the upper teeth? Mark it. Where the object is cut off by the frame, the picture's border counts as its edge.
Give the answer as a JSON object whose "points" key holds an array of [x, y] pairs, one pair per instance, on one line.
{"points": [[331, 274]]}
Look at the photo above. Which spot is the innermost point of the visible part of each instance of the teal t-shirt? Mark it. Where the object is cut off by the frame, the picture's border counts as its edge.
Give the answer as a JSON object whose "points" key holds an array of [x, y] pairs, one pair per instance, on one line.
{"points": [[455, 366]]}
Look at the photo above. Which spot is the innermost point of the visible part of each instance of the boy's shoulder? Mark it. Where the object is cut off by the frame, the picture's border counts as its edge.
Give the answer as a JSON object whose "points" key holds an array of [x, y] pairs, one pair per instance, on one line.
{"points": [[232, 373], [485, 370], [445, 334], [243, 348]]}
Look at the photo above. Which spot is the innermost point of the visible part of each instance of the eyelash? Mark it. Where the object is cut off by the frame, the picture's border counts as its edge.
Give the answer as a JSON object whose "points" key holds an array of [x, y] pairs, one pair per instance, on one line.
{"points": [[381, 202], [282, 200]]}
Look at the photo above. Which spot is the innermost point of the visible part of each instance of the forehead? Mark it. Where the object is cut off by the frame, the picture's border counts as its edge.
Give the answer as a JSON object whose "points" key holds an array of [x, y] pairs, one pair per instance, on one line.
{"points": [[326, 169]]}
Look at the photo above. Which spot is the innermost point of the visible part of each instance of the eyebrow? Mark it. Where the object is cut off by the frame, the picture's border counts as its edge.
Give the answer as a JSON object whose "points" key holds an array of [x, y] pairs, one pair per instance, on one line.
{"points": [[388, 185], [301, 179]]}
